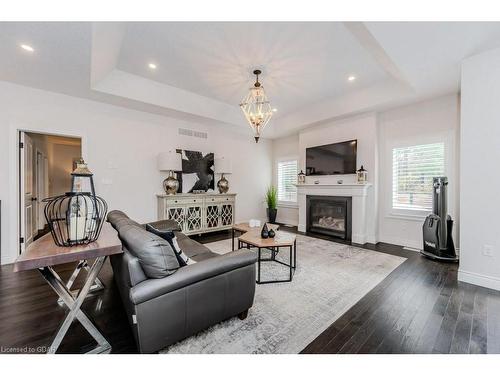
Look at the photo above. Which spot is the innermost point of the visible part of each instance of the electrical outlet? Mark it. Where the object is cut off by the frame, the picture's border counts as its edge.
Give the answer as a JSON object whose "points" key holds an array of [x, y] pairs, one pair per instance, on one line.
{"points": [[487, 250]]}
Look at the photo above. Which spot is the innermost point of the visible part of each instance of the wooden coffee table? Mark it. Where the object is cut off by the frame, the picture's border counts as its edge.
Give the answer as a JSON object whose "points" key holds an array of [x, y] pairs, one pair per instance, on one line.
{"points": [[252, 239], [245, 227]]}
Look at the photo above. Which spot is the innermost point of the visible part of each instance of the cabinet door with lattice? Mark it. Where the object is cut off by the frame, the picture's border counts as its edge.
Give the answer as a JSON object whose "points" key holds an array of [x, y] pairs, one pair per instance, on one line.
{"points": [[227, 214], [212, 215], [193, 219], [177, 214]]}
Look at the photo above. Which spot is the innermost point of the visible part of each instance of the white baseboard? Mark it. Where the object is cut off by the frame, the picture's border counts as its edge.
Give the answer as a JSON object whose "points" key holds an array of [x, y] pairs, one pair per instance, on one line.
{"points": [[7, 259], [477, 279], [402, 242]]}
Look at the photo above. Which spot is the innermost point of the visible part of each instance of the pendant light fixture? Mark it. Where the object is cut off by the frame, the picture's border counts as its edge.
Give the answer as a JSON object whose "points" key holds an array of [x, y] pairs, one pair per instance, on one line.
{"points": [[256, 107]]}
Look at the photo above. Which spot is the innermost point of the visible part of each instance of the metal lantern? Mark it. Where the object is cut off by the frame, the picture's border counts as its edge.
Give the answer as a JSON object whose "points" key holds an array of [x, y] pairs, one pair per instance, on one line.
{"points": [[301, 177], [362, 176], [81, 179], [76, 217]]}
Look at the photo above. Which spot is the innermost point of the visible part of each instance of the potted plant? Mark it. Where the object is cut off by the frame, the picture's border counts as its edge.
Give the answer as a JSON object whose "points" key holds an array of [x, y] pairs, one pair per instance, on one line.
{"points": [[272, 203]]}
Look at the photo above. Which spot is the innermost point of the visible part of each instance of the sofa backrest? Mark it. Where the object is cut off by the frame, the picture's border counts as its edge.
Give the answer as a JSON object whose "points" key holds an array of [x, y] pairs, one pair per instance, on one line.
{"points": [[126, 267], [153, 254]]}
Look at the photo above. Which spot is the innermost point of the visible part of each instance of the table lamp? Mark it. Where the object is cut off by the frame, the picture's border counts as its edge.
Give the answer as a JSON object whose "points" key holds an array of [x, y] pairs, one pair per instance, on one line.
{"points": [[170, 162], [223, 166]]}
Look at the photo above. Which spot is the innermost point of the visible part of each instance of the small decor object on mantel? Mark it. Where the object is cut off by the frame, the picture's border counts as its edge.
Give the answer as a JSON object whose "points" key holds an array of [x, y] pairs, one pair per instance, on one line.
{"points": [[170, 162], [76, 217], [272, 203], [223, 166], [301, 178], [362, 175], [264, 233]]}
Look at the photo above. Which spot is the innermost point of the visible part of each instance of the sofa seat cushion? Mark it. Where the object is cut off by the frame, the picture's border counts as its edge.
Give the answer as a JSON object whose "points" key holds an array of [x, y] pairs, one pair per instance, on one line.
{"points": [[156, 256], [190, 247]]}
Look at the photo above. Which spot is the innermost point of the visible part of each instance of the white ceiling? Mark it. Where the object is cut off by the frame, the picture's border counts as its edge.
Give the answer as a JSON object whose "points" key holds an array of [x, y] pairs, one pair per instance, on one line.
{"points": [[204, 69]]}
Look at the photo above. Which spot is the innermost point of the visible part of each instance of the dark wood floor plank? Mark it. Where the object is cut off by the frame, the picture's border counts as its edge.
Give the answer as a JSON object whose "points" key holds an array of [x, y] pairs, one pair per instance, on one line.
{"points": [[428, 336], [447, 328], [387, 292], [433, 278], [478, 339], [394, 338], [461, 338], [384, 318]]}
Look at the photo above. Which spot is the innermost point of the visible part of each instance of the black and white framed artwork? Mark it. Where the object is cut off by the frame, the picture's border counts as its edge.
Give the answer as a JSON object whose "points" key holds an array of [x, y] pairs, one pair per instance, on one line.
{"points": [[197, 172]]}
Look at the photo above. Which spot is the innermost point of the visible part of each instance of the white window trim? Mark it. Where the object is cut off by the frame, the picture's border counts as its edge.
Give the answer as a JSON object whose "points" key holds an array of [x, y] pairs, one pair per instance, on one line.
{"points": [[286, 204], [446, 137]]}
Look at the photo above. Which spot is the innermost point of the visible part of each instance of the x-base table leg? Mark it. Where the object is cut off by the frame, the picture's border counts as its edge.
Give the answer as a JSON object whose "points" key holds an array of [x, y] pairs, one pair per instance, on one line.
{"points": [[97, 286], [74, 306]]}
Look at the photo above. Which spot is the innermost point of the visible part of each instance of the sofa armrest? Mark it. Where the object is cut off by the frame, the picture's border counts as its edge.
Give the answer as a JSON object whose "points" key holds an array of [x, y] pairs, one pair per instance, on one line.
{"points": [[191, 274]]}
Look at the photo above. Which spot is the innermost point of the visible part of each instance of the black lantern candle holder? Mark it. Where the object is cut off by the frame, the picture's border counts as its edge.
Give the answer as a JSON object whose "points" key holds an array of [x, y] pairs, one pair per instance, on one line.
{"points": [[76, 218]]}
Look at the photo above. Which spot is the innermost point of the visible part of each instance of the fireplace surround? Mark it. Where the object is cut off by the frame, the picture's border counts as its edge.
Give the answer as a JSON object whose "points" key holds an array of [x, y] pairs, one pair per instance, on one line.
{"points": [[362, 206], [330, 215]]}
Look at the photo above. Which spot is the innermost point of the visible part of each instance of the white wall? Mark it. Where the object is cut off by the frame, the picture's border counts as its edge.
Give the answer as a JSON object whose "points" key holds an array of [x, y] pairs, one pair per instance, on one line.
{"points": [[121, 146], [363, 128], [285, 149], [432, 121], [479, 179]]}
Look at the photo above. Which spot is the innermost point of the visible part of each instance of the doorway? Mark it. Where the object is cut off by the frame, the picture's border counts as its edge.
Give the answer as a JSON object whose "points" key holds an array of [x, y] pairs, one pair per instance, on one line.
{"points": [[45, 166]]}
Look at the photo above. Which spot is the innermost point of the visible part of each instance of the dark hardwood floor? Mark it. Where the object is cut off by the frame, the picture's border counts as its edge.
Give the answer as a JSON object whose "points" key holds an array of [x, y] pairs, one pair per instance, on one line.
{"points": [[419, 308]]}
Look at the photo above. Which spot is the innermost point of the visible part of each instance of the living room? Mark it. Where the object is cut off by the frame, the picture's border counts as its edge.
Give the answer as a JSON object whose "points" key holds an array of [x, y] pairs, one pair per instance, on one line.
{"points": [[233, 192]]}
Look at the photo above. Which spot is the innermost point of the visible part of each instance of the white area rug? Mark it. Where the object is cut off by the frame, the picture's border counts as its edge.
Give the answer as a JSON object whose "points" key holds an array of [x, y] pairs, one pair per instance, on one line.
{"points": [[329, 279]]}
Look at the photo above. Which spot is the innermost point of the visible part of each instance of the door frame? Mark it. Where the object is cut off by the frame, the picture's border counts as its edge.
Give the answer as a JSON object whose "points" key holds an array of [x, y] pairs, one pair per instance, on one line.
{"points": [[15, 174]]}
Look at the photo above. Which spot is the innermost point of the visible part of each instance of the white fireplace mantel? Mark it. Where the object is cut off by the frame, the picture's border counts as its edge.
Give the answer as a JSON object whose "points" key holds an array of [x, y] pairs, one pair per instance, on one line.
{"points": [[358, 192]]}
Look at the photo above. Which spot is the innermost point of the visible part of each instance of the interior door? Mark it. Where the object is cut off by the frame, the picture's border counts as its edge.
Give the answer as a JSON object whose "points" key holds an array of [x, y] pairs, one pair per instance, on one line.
{"points": [[28, 227]]}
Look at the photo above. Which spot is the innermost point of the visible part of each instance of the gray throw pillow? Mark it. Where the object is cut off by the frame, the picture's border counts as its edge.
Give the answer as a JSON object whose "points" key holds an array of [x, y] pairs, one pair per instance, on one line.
{"points": [[156, 256], [169, 236]]}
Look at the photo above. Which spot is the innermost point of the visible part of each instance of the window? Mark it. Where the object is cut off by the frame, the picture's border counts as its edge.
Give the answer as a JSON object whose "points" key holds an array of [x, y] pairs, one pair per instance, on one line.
{"points": [[287, 177], [412, 171]]}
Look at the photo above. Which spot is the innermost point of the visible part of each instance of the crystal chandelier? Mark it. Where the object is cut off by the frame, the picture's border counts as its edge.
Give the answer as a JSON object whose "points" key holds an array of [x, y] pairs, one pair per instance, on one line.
{"points": [[256, 107]]}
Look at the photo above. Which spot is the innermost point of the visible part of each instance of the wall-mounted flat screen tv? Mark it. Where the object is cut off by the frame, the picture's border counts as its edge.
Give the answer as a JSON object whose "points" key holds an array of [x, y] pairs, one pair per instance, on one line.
{"points": [[332, 159]]}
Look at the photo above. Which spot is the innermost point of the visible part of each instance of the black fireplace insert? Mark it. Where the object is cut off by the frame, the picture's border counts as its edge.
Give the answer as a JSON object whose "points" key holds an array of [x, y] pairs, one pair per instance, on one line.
{"points": [[330, 215]]}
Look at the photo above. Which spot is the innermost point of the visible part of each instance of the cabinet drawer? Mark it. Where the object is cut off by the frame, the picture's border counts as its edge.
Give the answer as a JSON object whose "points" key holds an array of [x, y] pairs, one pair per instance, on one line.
{"points": [[176, 201], [221, 199]]}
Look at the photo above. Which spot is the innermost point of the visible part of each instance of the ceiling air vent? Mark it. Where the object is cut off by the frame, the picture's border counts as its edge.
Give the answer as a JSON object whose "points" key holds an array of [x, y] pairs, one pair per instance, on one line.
{"points": [[193, 133]]}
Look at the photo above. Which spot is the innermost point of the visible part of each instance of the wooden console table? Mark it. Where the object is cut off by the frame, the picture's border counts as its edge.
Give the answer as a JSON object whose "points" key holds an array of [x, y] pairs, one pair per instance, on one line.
{"points": [[43, 254]]}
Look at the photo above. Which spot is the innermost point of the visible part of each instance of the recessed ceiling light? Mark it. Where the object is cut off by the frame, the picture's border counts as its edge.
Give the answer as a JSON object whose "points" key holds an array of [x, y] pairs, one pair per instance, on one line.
{"points": [[27, 47], [152, 66], [351, 78], [275, 110]]}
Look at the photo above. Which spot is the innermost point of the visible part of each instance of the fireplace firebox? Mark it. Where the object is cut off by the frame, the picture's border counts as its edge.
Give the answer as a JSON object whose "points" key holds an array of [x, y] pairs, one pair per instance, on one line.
{"points": [[329, 215]]}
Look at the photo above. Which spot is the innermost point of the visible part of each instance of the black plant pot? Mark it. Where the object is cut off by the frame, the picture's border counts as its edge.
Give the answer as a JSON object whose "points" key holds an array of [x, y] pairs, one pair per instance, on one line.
{"points": [[271, 214]]}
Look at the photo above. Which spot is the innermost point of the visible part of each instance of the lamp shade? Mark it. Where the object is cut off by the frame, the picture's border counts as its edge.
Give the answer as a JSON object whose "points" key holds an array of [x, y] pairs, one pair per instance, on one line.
{"points": [[223, 166], [169, 161]]}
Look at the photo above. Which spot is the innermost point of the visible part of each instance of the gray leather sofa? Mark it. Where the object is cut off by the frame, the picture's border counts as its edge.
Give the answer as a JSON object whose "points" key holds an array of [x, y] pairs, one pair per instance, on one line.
{"points": [[162, 311]]}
